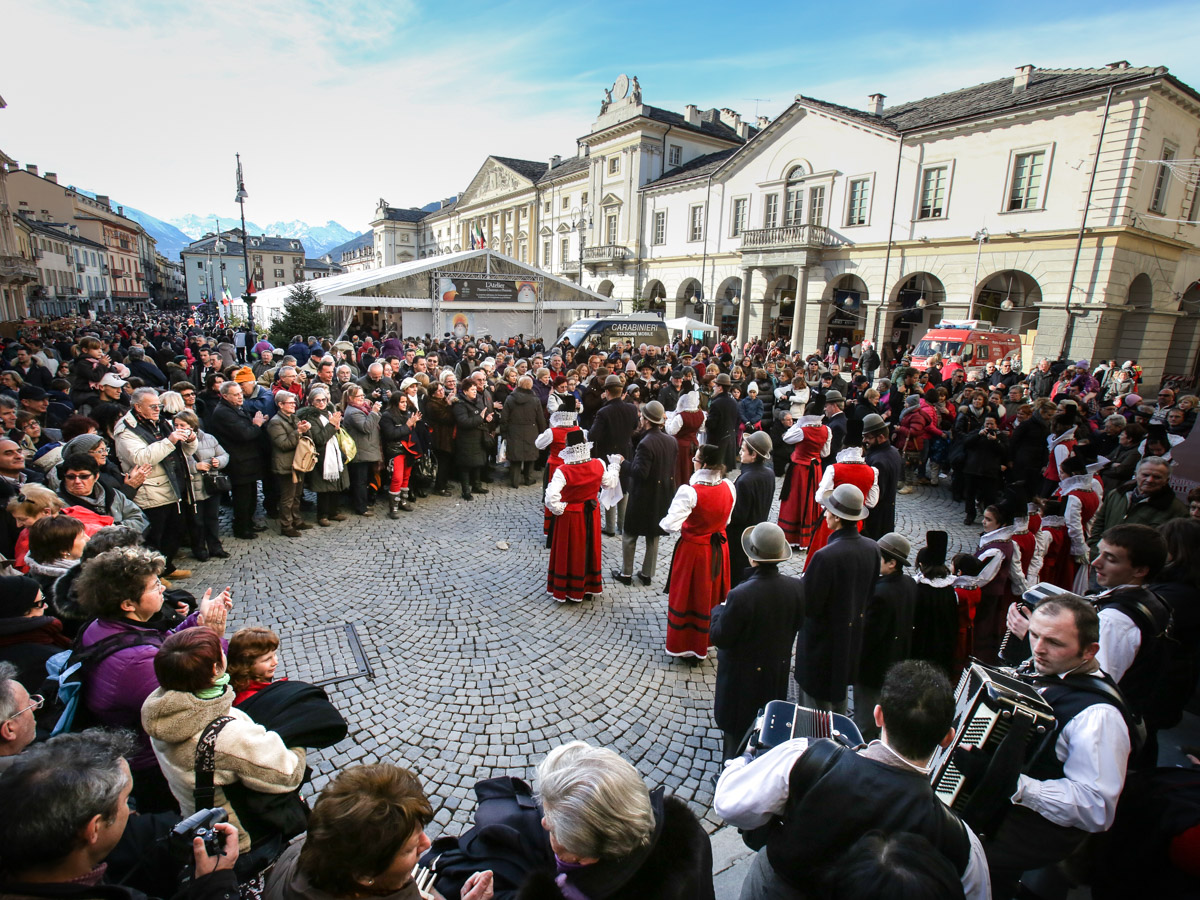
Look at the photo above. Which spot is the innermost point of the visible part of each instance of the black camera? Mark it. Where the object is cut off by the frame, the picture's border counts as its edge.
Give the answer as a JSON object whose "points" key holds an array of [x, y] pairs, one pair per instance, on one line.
{"points": [[201, 824]]}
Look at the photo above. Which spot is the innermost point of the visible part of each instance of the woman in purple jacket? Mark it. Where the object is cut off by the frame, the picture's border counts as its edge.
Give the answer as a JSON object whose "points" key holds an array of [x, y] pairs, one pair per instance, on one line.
{"points": [[121, 589]]}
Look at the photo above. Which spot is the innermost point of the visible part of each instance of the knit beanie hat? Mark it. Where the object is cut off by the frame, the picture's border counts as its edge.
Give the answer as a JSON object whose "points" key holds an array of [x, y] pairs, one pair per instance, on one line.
{"points": [[83, 443], [17, 595]]}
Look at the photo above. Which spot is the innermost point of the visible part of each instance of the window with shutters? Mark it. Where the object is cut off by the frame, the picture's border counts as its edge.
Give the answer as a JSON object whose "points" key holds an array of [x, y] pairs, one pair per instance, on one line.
{"points": [[545, 254], [1025, 185], [674, 155], [610, 228], [1162, 181], [660, 228], [771, 211], [857, 201], [793, 198], [933, 193], [696, 223], [816, 205], [740, 211]]}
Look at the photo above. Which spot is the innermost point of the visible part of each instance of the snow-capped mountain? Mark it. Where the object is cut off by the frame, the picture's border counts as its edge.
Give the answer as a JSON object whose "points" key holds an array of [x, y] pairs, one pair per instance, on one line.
{"points": [[317, 238]]}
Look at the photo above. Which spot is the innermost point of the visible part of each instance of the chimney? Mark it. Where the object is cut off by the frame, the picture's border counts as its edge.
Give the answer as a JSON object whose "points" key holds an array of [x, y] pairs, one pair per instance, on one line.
{"points": [[1021, 79], [730, 118], [1119, 64], [763, 122], [102, 199], [743, 130], [120, 210], [52, 177], [31, 168], [14, 166], [691, 115], [875, 104], [555, 161]]}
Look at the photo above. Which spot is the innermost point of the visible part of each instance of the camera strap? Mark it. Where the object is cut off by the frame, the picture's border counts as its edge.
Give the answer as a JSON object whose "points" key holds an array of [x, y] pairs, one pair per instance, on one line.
{"points": [[205, 790]]}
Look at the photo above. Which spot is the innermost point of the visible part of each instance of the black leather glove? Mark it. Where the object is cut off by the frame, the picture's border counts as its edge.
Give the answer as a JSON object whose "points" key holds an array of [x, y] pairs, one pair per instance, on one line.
{"points": [[973, 763]]}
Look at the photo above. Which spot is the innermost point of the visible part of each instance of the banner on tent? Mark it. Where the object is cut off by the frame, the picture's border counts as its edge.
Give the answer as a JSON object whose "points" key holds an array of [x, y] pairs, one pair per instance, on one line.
{"points": [[485, 289]]}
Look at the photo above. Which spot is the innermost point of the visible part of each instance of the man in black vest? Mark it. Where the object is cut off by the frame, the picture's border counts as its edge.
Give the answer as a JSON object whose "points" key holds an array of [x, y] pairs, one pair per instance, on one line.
{"points": [[723, 419], [651, 479], [753, 630], [835, 419], [755, 491], [822, 797], [1071, 790], [880, 453], [612, 432]]}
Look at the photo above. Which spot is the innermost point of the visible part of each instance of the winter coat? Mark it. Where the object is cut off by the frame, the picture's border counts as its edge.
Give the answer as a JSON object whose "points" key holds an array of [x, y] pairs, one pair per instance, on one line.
{"points": [[284, 437], [1027, 446], [471, 441], [441, 421], [136, 445], [985, 455], [364, 428], [542, 392], [888, 626], [105, 501], [320, 434], [119, 684], [837, 585], [207, 450], [755, 490], [751, 410], [246, 752], [650, 477], [1118, 508], [612, 429], [27, 642], [916, 426], [234, 428], [890, 465], [1121, 465], [521, 422], [754, 630]]}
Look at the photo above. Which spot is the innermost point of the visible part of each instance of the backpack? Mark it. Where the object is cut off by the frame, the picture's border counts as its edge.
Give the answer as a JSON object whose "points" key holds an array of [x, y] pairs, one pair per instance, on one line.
{"points": [[305, 457], [71, 668]]}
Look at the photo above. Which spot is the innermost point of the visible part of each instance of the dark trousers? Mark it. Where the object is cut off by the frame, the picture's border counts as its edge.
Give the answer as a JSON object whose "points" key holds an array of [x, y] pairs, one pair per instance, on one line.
{"points": [[1024, 842], [204, 525], [162, 534], [520, 470], [327, 504], [982, 491], [467, 477], [445, 469], [360, 478], [270, 491], [291, 492], [245, 499]]}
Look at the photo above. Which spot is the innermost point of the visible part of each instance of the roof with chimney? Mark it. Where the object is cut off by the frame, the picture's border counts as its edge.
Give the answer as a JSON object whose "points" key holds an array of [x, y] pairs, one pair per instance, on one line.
{"points": [[527, 168], [568, 166], [997, 97], [366, 239], [58, 230], [396, 214], [233, 244], [699, 167], [710, 122]]}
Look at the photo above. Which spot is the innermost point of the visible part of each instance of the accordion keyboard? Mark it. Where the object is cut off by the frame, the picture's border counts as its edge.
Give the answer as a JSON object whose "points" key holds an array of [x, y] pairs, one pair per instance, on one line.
{"points": [[985, 728]]}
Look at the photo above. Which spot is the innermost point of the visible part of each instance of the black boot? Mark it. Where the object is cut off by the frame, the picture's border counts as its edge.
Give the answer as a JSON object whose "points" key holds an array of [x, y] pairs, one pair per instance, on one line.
{"points": [[466, 492], [404, 504], [394, 504], [514, 475], [478, 489]]}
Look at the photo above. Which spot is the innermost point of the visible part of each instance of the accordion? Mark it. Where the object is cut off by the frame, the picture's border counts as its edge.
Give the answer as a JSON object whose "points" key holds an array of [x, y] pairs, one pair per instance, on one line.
{"points": [[991, 707], [781, 721]]}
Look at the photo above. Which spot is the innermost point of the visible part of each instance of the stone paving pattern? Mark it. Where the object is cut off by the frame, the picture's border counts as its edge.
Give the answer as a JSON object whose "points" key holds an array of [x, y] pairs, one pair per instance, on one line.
{"points": [[478, 672]]}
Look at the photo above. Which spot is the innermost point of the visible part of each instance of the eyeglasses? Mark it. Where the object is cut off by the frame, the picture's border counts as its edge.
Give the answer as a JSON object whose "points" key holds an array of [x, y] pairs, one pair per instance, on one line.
{"points": [[153, 406], [78, 476], [37, 702]]}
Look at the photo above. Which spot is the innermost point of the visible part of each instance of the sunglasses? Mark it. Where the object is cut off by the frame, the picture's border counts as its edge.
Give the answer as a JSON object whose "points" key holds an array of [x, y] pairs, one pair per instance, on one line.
{"points": [[78, 476]]}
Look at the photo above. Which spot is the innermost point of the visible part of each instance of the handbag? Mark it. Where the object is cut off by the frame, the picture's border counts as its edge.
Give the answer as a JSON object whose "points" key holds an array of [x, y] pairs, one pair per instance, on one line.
{"points": [[347, 445], [216, 483]]}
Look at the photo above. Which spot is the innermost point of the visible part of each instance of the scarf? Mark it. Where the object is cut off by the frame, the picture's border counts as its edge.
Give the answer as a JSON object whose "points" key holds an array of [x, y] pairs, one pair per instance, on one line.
{"points": [[217, 689]]}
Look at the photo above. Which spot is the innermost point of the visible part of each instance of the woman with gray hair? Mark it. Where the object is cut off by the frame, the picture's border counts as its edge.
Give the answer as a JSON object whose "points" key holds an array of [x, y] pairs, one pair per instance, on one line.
{"points": [[608, 837], [329, 476], [203, 519]]}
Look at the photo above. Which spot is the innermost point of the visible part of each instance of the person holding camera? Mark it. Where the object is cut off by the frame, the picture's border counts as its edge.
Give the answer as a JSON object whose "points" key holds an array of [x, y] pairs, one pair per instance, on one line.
{"points": [[984, 465], [143, 437], [66, 810], [814, 799]]}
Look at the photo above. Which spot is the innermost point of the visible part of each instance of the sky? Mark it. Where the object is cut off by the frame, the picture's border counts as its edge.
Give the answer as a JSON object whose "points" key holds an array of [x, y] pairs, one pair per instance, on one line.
{"points": [[334, 105]]}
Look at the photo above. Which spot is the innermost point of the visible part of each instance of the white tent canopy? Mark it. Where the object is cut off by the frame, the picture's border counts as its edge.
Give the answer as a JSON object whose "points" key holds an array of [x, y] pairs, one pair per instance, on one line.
{"points": [[685, 324], [409, 287]]}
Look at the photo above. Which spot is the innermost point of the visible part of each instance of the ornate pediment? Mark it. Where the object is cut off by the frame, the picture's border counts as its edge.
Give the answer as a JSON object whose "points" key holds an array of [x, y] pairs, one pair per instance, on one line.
{"points": [[563, 228], [611, 200], [493, 180]]}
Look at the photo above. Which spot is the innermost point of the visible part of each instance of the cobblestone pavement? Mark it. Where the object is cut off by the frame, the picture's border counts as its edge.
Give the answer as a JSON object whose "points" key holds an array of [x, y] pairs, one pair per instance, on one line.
{"points": [[477, 672]]}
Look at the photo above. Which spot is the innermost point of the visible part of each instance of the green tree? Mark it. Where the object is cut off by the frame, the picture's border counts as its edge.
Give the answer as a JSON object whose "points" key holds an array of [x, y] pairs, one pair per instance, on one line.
{"points": [[303, 314]]}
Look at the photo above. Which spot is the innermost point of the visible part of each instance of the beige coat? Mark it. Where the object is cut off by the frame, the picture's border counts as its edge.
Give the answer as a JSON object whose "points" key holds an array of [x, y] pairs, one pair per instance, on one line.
{"points": [[132, 450], [246, 752]]}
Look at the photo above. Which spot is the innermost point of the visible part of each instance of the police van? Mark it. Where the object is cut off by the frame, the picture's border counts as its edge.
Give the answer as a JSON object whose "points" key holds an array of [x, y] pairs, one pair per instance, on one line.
{"points": [[643, 328]]}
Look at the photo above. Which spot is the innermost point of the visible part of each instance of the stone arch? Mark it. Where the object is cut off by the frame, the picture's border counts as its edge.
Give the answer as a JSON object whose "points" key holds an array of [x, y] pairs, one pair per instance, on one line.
{"points": [[689, 298], [918, 300], [605, 287], [844, 304], [727, 299], [1011, 299], [1183, 354], [654, 296], [1131, 329]]}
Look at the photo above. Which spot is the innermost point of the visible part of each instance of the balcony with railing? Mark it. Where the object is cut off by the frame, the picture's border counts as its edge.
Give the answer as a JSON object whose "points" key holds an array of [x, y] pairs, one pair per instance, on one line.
{"points": [[17, 270], [570, 267], [605, 255], [789, 237], [79, 267]]}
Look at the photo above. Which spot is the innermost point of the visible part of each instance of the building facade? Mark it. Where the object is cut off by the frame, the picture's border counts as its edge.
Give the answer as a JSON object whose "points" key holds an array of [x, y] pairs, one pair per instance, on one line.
{"points": [[16, 270], [1059, 204], [215, 266]]}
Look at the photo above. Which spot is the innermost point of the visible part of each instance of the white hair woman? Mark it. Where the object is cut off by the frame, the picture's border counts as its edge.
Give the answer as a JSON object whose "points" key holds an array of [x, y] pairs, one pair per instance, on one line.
{"points": [[611, 836]]}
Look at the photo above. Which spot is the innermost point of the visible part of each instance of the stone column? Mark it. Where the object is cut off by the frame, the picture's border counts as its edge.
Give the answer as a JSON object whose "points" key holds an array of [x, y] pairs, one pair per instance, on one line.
{"points": [[743, 332], [799, 306]]}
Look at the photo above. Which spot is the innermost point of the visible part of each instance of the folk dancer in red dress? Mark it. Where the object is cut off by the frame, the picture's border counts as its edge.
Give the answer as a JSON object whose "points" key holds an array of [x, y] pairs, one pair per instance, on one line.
{"points": [[799, 512], [998, 591], [572, 496], [699, 578], [849, 468], [1061, 444], [1075, 504], [684, 424], [563, 420]]}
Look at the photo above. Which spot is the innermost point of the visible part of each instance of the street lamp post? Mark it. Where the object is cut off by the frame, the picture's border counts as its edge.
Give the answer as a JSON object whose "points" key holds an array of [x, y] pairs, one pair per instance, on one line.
{"points": [[241, 202], [981, 238]]}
